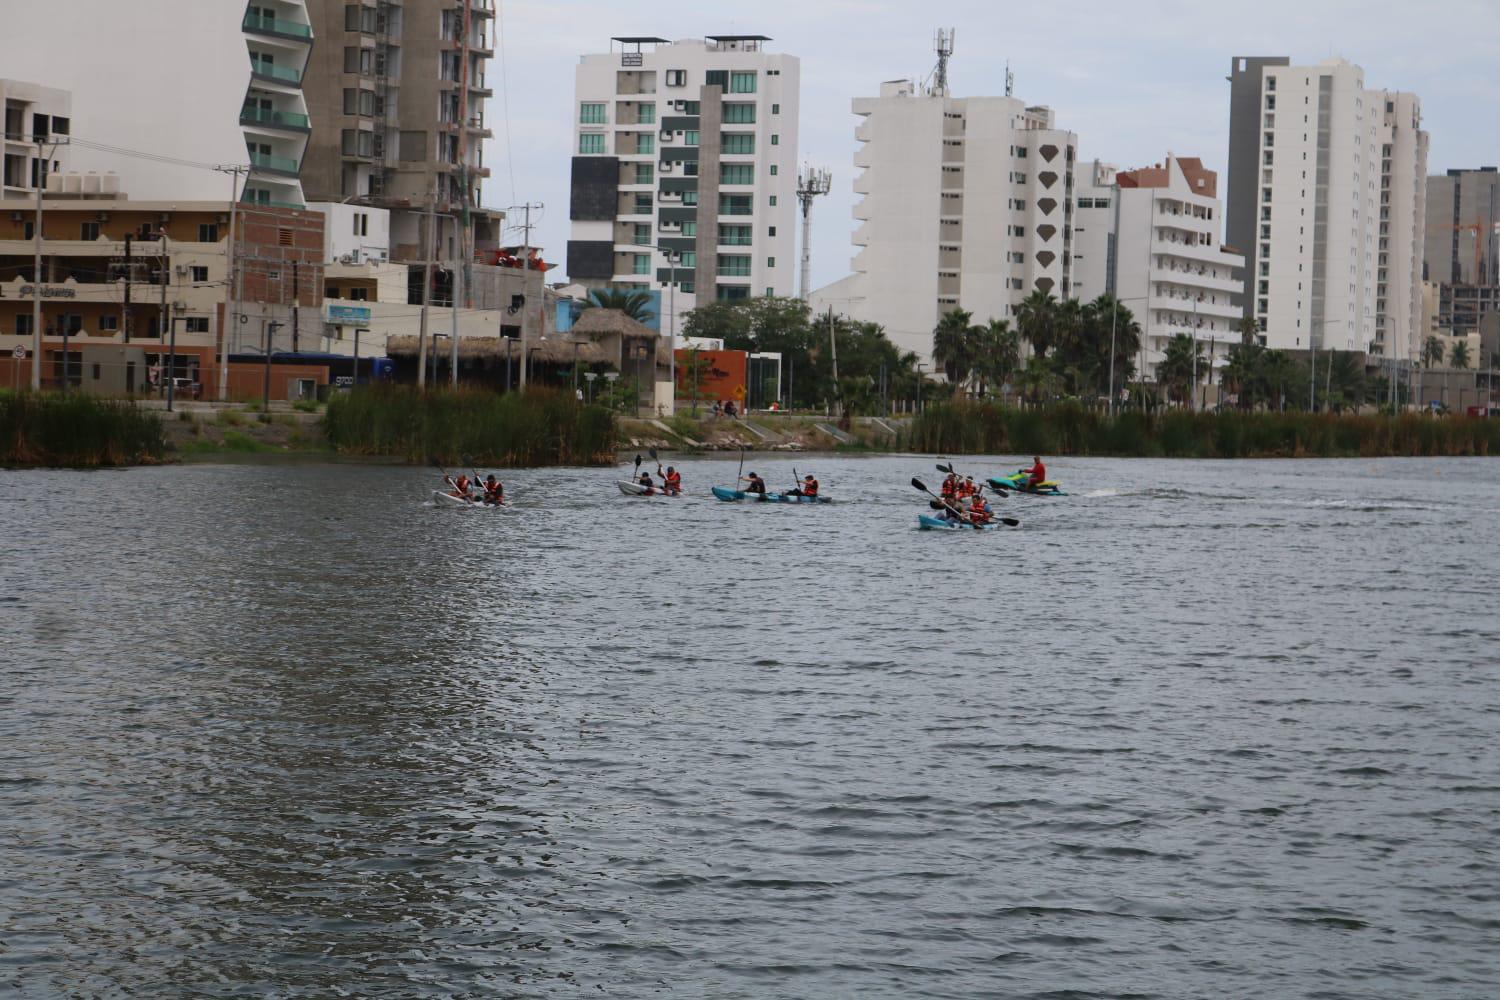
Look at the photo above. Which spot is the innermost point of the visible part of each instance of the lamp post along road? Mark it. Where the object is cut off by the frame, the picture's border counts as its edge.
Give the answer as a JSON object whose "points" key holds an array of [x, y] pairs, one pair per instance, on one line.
{"points": [[672, 258]]}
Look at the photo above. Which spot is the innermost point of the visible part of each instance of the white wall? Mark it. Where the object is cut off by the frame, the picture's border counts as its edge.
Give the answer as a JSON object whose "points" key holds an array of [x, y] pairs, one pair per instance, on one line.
{"points": [[339, 238], [163, 76]]}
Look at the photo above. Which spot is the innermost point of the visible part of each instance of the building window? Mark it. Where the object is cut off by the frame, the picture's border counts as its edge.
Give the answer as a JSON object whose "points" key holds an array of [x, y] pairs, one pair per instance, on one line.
{"points": [[645, 173], [591, 144], [742, 83], [88, 231], [689, 198], [690, 229], [692, 108], [199, 274], [773, 170], [726, 293], [775, 109], [642, 235], [359, 295], [591, 114], [195, 324], [775, 139], [690, 137], [208, 232], [645, 142], [716, 78], [686, 286], [641, 264], [109, 324], [739, 114], [676, 78], [735, 204], [642, 203], [23, 324], [734, 265], [736, 173], [735, 236], [771, 231], [773, 201], [738, 143], [647, 114], [770, 261]]}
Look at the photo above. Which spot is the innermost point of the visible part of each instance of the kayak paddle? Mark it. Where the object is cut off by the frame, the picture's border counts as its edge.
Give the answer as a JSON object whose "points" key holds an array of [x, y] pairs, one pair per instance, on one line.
{"points": [[1011, 521]]}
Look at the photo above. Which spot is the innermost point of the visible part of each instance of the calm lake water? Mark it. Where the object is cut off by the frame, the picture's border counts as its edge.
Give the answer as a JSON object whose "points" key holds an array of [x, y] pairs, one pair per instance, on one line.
{"points": [[1199, 729]]}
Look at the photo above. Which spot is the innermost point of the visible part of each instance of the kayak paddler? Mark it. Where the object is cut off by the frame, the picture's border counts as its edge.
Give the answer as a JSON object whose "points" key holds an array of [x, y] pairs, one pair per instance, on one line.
{"points": [[494, 491], [755, 484], [671, 481], [645, 481], [807, 488], [979, 510], [460, 486], [950, 486]]}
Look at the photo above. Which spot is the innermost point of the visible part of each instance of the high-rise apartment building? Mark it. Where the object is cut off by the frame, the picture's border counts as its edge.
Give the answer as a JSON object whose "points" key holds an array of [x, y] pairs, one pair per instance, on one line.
{"points": [[396, 91], [274, 116], [1462, 252], [1327, 199], [967, 204], [33, 113], [1150, 237], [686, 148]]}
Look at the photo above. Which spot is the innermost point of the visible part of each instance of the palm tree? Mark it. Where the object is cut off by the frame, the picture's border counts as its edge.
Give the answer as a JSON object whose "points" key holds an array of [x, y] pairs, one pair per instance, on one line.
{"points": [[953, 346], [997, 353], [1249, 330], [1276, 371], [1458, 354], [1345, 379], [1037, 318], [1178, 371], [1107, 318], [1240, 369], [632, 302], [1432, 351]]}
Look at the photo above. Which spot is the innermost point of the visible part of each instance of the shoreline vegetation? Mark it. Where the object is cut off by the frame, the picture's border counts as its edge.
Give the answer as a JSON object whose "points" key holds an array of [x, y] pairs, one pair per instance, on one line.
{"points": [[538, 427], [965, 428], [77, 431]]}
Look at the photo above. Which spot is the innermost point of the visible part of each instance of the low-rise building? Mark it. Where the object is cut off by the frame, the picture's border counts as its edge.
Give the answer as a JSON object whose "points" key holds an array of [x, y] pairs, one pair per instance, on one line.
{"points": [[33, 114]]}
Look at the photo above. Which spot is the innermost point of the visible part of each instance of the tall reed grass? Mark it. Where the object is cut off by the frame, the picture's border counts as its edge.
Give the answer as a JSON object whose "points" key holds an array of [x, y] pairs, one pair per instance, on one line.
{"points": [[984, 428], [540, 427], [77, 430]]}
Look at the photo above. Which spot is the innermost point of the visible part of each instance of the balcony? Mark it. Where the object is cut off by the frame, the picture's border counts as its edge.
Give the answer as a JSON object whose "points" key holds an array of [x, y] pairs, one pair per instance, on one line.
{"points": [[270, 71], [289, 120], [266, 203], [276, 26], [275, 164]]}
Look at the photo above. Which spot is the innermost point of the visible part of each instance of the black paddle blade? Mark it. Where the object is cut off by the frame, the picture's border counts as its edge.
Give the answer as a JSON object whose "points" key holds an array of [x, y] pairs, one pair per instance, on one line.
{"points": [[945, 468], [1013, 522], [918, 484], [637, 461]]}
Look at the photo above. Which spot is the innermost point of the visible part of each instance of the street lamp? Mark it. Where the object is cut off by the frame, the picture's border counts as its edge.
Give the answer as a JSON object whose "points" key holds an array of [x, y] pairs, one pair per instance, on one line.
{"points": [[611, 377], [589, 377], [1312, 363], [919, 386]]}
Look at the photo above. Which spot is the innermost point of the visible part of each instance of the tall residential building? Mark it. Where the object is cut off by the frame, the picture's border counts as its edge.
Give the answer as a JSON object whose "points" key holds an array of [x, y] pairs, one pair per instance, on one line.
{"points": [[274, 115], [1150, 237], [1327, 197], [1462, 252], [33, 112], [967, 203], [687, 148], [396, 90]]}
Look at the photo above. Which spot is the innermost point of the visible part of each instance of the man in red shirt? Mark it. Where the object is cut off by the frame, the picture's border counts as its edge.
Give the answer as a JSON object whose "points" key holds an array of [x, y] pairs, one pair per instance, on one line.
{"points": [[1037, 473]]}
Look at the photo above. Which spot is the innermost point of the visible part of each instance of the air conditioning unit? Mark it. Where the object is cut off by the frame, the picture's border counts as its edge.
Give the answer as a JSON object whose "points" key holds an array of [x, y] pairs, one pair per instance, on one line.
{"points": [[222, 220], [16, 217], [103, 216], [667, 166], [164, 217], [680, 105], [182, 269]]}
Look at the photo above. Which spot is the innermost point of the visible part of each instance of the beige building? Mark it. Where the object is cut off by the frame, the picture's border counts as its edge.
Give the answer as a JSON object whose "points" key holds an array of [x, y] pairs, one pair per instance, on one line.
{"points": [[396, 91], [33, 113]]}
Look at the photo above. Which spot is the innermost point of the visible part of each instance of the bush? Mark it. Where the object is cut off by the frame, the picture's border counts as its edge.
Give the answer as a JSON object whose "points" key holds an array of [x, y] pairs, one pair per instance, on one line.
{"points": [[77, 430], [539, 427], [963, 427]]}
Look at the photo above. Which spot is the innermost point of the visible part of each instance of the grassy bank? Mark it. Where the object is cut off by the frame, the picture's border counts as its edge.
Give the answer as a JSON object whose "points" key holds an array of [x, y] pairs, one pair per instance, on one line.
{"points": [[541, 427], [77, 430], [969, 428]]}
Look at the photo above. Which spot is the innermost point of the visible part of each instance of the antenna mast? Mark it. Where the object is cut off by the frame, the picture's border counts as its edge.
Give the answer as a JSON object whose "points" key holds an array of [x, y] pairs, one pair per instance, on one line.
{"points": [[810, 184], [1010, 80], [944, 46]]}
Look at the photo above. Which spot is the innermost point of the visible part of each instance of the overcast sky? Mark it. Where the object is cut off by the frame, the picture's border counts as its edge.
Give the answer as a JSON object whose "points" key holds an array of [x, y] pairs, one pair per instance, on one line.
{"points": [[1133, 79]]}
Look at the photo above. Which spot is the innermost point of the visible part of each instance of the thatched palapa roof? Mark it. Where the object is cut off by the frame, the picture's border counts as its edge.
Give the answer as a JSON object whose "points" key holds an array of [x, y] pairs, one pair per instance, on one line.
{"points": [[548, 351]]}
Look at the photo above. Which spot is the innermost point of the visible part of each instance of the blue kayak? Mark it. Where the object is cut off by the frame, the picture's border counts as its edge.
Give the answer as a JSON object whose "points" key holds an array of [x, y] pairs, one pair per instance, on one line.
{"points": [[724, 493], [928, 523]]}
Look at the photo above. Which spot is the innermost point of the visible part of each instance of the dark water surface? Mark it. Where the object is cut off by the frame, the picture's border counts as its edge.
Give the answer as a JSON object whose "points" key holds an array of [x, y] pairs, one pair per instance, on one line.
{"points": [[1200, 729]]}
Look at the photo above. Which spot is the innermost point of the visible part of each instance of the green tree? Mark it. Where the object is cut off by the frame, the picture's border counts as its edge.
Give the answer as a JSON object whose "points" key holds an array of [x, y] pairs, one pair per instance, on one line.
{"points": [[1178, 371], [1103, 320], [997, 354], [953, 344], [1458, 354], [1432, 351], [1249, 331], [631, 301], [1036, 317], [1240, 374], [1345, 381]]}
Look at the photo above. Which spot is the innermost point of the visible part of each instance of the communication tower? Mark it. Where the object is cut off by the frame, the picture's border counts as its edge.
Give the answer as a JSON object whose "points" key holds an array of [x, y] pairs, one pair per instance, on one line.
{"points": [[810, 184]]}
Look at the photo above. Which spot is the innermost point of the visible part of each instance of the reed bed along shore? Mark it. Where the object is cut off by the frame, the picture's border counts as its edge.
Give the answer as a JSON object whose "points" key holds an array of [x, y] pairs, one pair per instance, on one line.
{"points": [[539, 427], [985, 429], [77, 431]]}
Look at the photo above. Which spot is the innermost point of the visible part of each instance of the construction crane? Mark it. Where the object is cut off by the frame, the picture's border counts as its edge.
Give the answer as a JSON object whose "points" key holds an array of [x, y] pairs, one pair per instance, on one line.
{"points": [[1476, 229]]}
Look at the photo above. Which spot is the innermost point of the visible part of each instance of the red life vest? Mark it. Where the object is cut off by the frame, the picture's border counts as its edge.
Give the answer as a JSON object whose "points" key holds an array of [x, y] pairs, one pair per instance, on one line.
{"points": [[809, 487]]}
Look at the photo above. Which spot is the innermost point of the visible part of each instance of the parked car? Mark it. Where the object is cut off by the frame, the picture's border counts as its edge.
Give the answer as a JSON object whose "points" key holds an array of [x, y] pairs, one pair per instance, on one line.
{"points": [[186, 388]]}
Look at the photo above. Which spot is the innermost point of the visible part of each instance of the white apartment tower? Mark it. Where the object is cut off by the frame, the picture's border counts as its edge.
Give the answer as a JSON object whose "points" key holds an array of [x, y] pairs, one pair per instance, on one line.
{"points": [[967, 204], [1150, 237], [33, 114], [1327, 198], [686, 148], [274, 117]]}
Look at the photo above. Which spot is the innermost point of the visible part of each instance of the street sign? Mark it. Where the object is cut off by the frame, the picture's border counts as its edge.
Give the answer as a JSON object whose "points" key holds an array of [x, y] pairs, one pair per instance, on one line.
{"points": [[19, 353]]}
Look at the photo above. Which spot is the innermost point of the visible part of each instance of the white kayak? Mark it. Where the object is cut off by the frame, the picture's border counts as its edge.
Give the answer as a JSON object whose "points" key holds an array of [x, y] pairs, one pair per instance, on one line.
{"points": [[440, 498], [633, 489]]}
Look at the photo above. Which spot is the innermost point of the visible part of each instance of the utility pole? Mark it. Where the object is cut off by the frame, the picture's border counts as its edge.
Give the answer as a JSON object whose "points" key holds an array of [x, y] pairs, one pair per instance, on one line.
{"points": [[162, 334], [296, 301], [427, 287], [125, 312], [453, 347], [265, 402], [810, 184], [232, 276], [525, 287]]}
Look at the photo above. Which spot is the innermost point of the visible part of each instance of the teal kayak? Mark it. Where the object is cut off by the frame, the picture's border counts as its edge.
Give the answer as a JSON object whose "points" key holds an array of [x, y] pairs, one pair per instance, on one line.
{"points": [[928, 523], [1050, 488], [724, 493]]}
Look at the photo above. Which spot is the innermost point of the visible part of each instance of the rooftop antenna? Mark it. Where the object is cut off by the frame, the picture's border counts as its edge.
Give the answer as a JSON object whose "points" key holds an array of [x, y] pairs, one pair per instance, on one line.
{"points": [[810, 184], [1010, 80], [944, 46]]}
